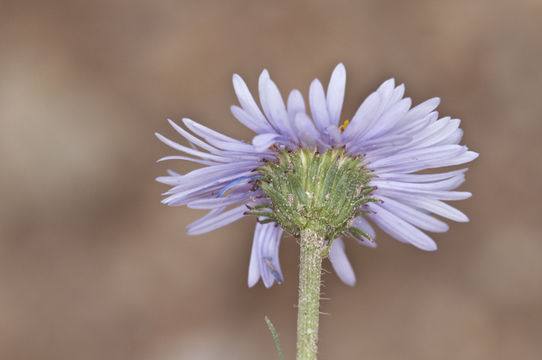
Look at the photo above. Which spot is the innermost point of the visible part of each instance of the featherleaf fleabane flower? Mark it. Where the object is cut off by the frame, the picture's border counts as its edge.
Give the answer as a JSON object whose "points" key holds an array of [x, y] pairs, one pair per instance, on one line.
{"points": [[377, 156]]}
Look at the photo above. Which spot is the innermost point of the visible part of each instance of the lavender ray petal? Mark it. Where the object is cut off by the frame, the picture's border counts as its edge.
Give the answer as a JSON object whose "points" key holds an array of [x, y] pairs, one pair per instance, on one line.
{"points": [[211, 203], [400, 229], [421, 178], [386, 89], [263, 142], [420, 111], [334, 134], [249, 120], [268, 254], [335, 94], [453, 138], [432, 194], [417, 159], [295, 104], [189, 189], [416, 126], [218, 221], [397, 94], [466, 157], [247, 102], [210, 215], [340, 262], [191, 151], [361, 223], [364, 225], [438, 132], [435, 206], [229, 147], [262, 89], [216, 172], [388, 119], [187, 158], [363, 117], [318, 106], [413, 216], [168, 180], [206, 133], [306, 130], [254, 267], [447, 184], [192, 139], [276, 109]]}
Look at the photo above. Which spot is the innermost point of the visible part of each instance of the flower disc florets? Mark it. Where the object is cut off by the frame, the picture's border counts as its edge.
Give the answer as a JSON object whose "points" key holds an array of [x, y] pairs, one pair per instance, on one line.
{"points": [[308, 189]]}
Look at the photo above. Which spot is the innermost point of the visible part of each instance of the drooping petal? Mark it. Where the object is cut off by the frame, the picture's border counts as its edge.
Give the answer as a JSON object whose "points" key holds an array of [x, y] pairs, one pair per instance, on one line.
{"points": [[264, 258], [254, 264], [340, 263]]}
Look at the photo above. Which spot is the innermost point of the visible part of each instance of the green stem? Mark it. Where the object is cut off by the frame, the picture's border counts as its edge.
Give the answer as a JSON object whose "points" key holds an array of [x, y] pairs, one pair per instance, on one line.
{"points": [[310, 271]]}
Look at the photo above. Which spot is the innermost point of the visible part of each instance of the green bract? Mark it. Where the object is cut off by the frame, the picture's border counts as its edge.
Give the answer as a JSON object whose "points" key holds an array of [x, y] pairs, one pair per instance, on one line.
{"points": [[310, 190]]}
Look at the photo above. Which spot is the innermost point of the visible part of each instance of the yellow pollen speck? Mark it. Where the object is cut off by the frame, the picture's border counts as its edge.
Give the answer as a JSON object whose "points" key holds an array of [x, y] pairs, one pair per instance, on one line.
{"points": [[344, 125]]}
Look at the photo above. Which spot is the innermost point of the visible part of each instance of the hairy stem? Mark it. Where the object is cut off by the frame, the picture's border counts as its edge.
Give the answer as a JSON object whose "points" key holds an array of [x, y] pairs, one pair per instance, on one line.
{"points": [[310, 271]]}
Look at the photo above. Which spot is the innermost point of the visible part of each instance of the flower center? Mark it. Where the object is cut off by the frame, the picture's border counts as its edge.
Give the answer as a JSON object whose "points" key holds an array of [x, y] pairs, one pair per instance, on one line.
{"points": [[312, 190]]}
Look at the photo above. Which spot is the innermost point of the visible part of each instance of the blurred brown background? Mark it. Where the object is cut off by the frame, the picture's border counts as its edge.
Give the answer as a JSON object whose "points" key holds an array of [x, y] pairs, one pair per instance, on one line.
{"points": [[92, 266]]}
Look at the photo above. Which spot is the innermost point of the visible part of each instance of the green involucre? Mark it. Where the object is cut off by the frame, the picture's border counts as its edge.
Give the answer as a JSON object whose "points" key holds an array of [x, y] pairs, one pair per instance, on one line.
{"points": [[309, 190]]}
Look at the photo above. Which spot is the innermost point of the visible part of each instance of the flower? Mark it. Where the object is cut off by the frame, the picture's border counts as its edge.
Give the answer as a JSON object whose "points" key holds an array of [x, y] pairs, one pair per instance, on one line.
{"points": [[395, 141]]}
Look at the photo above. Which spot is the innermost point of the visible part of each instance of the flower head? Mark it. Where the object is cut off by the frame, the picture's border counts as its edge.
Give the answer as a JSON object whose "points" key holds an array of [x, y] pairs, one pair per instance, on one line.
{"points": [[385, 145]]}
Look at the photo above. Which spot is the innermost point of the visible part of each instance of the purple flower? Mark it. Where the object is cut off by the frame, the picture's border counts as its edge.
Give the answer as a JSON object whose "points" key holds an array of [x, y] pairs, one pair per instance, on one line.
{"points": [[397, 142]]}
